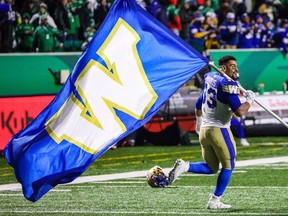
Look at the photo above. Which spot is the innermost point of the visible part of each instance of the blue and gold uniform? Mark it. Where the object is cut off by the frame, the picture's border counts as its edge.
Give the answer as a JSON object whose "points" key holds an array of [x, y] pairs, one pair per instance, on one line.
{"points": [[218, 101], [215, 107]]}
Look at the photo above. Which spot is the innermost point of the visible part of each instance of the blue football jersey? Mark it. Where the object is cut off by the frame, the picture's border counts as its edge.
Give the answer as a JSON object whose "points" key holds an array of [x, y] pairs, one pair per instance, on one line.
{"points": [[218, 100]]}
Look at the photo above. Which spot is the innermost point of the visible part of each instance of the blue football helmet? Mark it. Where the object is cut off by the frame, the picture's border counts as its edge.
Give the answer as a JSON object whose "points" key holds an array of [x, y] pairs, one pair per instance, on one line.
{"points": [[156, 177]]}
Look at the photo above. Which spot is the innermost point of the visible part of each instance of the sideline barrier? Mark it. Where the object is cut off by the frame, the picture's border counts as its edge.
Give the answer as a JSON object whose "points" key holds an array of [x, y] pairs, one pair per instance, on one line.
{"points": [[28, 74], [17, 112]]}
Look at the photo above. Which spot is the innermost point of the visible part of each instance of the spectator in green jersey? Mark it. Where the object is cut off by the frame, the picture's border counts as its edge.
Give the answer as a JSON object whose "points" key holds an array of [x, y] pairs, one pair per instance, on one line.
{"points": [[24, 34], [47, 38]]}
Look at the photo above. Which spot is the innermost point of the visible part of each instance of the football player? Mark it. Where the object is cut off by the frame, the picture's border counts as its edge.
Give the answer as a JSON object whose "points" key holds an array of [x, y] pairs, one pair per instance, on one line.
{"points": [[214, 109]]}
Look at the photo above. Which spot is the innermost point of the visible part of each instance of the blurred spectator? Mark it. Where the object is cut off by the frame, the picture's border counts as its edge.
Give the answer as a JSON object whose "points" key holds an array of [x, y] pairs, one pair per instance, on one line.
{"points": [[76, 5], [36, 18], [198, 34], [186, 15], [239, 7], [30, 7], [268, 34], [200, 2], [45, 37], [280, 38], [86, 18], [25, 34], [259, 32], [224, 8], [100, 13], [215, 4], [4, 10], [207, 7], [51, 5], [174, 22], [89, 34], [60, 15], [71, 40], [211, 25], [249, 6], [17, 4], [158, 9], [8, 20], [246, 32], [80, 19], [228, 32], [193, 5], [257, 4], [282, 9], [267, 9]]}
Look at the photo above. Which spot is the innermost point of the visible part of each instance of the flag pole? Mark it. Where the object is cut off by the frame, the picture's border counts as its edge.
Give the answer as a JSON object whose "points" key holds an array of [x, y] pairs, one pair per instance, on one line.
{"points": [[244, 91]]}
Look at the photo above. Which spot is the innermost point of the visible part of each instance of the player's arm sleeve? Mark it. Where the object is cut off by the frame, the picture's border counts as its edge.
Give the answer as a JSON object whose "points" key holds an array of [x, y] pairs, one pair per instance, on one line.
{"points": [[234, 102], [231, 92], [198, 103]]}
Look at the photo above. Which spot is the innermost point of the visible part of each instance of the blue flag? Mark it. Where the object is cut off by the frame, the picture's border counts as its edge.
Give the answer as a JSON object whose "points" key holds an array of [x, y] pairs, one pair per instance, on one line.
{"points": [[132, 66]]}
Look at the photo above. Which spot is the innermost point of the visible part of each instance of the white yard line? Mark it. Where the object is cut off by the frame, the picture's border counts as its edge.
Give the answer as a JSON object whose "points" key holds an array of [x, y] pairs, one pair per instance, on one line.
{"points": [[107, 177], [145, 212]]}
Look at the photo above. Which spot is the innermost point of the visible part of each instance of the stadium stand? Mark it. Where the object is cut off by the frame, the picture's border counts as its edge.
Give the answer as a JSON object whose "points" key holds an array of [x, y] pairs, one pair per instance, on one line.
{"points": [[79, 20]]}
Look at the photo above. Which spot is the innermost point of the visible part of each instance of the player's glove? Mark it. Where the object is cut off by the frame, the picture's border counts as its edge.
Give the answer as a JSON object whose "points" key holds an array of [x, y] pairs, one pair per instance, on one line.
{"points": [[198, 124], [250, 96]]}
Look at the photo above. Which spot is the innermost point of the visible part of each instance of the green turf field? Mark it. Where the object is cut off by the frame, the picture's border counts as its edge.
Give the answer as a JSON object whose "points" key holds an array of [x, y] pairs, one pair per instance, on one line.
{"points": [[253, 190]]}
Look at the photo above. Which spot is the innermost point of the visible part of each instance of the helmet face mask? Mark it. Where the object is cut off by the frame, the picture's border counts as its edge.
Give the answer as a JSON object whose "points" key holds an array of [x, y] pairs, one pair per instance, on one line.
{"points": [[156, 177]]}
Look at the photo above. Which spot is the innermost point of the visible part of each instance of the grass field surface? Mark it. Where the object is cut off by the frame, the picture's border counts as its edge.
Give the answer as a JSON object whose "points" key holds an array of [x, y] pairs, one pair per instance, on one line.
{"points": [[259, 187]]}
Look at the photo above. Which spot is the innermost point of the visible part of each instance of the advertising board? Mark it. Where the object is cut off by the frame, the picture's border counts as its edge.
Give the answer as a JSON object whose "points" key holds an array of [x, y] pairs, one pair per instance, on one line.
{"points": [[18, 112]]}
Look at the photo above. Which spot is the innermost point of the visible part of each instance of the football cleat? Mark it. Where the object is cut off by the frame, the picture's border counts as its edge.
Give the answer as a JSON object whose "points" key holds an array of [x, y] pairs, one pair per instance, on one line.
{"points": [[214, 203], [244, 142], [156, 177], [179, 167]]}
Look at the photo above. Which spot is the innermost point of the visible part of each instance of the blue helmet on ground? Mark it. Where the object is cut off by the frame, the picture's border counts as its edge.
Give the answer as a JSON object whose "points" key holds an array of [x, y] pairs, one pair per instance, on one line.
{"points": [[156, 177]]}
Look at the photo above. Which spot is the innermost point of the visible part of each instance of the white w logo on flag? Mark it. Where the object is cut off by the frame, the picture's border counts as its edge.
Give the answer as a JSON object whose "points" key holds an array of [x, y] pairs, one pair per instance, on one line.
{"points": [[123, 85]]}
